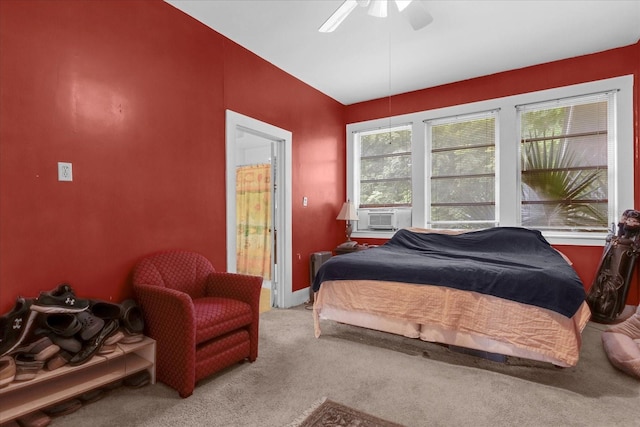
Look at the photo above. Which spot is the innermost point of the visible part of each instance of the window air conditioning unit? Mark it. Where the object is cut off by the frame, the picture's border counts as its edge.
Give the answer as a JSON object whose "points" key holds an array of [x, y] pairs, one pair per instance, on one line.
{"points": [[382, 220]]}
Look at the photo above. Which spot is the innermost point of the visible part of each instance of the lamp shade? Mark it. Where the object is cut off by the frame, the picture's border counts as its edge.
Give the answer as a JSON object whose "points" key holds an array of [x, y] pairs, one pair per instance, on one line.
{"points": [[348, 212]]}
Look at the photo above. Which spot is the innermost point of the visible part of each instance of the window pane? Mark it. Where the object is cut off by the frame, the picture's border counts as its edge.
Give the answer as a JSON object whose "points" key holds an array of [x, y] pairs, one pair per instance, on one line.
{"points": [[394, 193], [385, 142], [463, 172], [463, 162], [463, 214], [564, 167], [463, 134], [463, 190], [385, 167]]}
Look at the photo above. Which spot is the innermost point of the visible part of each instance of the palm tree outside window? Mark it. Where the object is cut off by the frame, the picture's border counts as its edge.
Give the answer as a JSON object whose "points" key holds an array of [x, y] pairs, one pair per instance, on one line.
{"points": [[564, 154]]}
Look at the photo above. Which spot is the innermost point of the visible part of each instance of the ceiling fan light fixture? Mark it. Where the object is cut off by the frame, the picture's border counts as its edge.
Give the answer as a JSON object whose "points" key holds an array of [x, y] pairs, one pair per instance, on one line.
{"points": [[378, 8], [338, 16], [412, 11]]}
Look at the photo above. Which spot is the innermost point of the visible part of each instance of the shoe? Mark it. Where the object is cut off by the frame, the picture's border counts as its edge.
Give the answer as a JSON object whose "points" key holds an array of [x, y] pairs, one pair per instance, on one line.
{"points": [[27, 367], [111, 344], [16, 325], [34, 419], [91, 325], [41, 349], [115, 338], [138, 379], [63, 408], [113, 385], [58, 361], [110, 328], [69, 344], [106, 310], [63, 324], [60, 300], [7, 370], [131, 338], [92, 395], [132, 319], [106, 349]]}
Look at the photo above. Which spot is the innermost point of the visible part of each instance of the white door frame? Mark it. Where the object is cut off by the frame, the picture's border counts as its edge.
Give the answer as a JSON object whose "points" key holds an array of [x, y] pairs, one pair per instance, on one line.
{"points": [[282, 276]]}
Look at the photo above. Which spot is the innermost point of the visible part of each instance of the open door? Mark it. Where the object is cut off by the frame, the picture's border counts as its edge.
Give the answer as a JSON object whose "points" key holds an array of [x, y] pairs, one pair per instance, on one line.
{"points": [[250, 141]]}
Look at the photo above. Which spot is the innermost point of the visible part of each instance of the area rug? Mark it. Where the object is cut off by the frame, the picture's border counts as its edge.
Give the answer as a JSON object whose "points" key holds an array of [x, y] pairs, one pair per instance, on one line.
{"points": [[328, 413]]}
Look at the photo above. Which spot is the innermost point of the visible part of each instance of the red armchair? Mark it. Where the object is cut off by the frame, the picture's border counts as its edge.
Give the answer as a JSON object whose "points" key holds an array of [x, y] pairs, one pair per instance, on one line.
{"points": [[202, 320]]}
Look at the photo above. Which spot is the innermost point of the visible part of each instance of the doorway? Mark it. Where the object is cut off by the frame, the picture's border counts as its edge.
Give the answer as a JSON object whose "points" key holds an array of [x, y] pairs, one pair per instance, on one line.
{"points": [[250, 142]]}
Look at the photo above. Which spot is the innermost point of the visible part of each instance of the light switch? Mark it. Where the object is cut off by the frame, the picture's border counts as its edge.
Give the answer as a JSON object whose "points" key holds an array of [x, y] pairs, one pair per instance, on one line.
{"points": [[305, 201], [65, 172]]}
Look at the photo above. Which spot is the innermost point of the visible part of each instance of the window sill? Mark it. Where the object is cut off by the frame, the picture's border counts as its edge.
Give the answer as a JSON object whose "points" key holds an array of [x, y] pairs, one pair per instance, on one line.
{"points": [[591, 239]]}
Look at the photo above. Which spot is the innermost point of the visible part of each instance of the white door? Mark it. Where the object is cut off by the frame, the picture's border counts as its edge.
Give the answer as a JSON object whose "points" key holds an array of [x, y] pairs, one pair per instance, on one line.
{"points": [[248, 134]]}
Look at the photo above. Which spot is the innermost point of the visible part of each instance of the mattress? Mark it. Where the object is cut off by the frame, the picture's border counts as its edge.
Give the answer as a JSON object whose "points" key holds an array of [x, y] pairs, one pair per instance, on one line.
{"points": [[455, 317], [511, 263]]}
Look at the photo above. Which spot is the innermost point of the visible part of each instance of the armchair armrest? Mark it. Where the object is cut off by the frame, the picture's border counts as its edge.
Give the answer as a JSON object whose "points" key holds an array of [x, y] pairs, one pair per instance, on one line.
{"points": [[156, 299], [242, 287], [169, 319]]}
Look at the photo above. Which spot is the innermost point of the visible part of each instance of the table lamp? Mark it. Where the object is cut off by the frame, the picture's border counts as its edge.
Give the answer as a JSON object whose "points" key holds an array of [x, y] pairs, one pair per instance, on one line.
{"points": [[348, 213]]}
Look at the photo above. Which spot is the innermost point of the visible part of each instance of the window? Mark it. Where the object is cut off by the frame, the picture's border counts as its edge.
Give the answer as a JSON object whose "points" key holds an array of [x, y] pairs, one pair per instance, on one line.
{"points": [[462, 183], [564, 164], [558, 160], [385, 167]]}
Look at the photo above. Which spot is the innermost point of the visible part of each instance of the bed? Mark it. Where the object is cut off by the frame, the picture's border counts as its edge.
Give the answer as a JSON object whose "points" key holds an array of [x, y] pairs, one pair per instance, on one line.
{"points": [[502, 290]]}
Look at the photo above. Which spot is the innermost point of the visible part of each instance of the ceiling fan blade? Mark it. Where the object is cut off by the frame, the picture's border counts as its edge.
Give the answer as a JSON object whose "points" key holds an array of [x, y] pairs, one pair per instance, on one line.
{"points": [[402, 4], [338, 16], [417, 15]]}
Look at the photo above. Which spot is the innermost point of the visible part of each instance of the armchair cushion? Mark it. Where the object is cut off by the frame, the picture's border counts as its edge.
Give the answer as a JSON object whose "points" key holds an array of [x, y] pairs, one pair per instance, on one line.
{"points": [[217, 316]]}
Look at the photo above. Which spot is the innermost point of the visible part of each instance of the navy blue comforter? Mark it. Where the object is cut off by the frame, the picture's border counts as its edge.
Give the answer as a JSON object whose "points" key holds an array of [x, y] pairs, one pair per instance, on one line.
{"points": [[507, 262]]}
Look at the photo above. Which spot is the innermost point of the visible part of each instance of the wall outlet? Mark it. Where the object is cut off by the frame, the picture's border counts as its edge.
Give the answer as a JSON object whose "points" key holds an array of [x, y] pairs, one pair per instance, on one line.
{"points": [[65, 172]]}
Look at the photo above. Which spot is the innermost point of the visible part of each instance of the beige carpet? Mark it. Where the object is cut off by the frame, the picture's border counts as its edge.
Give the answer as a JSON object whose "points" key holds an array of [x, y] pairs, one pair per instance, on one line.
{"points": [[402, 380]]}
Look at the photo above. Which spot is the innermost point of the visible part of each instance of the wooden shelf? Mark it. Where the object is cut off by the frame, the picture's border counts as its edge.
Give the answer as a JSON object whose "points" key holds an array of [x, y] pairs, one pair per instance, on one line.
{"points": [[50, 387]]}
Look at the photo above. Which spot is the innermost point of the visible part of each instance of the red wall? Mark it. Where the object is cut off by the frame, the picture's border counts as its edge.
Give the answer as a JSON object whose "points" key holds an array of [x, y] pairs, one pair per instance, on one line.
{"points": [[134, 95], [597, 66], [258, 89]]}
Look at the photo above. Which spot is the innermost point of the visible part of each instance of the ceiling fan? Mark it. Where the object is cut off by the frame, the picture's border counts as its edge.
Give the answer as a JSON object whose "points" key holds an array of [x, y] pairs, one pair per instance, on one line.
{"points": [[412, 10]]}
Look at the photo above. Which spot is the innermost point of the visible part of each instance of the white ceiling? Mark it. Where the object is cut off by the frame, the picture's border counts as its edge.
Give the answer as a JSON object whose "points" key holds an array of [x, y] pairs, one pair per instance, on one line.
{"points": [[368, 57]]}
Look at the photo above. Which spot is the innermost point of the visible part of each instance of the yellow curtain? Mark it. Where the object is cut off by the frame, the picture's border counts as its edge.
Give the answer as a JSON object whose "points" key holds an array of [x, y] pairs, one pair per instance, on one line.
{"points": [[253, 219]]}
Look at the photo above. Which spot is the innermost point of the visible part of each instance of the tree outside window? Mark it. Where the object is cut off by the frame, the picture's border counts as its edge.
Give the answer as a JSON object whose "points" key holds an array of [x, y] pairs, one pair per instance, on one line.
{"points": [[564, 174], [385, 168], [462, 181]]}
